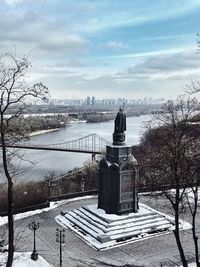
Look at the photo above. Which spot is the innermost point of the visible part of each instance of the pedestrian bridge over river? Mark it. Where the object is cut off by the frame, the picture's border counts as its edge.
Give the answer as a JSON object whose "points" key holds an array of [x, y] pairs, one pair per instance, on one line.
{"points": [[91, 144]]}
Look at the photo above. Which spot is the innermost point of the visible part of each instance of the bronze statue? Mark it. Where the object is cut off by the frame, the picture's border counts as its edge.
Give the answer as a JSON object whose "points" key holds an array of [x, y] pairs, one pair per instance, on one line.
{"points": [[120, 122]]}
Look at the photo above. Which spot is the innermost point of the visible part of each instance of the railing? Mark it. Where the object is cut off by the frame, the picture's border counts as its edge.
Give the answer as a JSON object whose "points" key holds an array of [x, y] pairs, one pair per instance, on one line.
{"points": [[73, 195]]}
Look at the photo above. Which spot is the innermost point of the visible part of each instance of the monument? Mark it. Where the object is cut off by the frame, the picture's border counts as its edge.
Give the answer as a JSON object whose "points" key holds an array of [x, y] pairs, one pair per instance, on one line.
{"points": [[117, 218], [120, 128], [118, 173]]}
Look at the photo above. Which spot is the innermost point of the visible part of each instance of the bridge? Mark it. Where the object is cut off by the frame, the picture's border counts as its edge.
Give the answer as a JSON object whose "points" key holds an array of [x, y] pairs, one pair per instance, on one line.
{"points": [[91, 144]]}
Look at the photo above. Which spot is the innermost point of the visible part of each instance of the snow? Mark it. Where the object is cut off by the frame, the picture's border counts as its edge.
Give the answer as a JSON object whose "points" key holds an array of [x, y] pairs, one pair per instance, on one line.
{"points": [[189, 193], [44, 131], [53, 205], [103, 231], [143, 210], [23, 259], [193, 264]]}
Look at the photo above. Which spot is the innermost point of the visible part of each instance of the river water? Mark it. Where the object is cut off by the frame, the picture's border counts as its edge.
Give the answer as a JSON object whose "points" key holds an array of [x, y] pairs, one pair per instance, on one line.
{"points": [[61, 162]]}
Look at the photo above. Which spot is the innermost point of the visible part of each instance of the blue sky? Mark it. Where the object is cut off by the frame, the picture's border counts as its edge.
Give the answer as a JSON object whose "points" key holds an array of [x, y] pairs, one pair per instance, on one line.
{"points": [[105, 48]]}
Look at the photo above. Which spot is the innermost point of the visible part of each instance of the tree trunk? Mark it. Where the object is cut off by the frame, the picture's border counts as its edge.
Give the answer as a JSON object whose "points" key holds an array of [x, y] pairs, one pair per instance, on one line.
{"points": [[180, 248], [195, 237], [196, 248], [177, 236], [9, 200], [10, 225]]}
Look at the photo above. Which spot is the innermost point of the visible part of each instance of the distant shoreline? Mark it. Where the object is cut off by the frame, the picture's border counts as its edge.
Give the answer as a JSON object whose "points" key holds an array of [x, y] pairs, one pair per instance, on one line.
{"points": [[44, 131], [39, 132]]}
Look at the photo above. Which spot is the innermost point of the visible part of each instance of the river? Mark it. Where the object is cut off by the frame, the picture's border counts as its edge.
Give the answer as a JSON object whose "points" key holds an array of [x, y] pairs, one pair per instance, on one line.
{"points": [[61, 162]]}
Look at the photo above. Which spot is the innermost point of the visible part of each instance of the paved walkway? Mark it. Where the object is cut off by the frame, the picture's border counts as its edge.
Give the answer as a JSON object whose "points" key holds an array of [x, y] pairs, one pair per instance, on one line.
{"points": [[152, 252]]}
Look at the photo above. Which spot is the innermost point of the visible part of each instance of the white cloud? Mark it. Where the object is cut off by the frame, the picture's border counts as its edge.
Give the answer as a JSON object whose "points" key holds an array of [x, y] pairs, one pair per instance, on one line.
{"points": [[84, 46], [114, 44], [13, 2], [184, 63], [157, 52], [45, 41], [141, 12]]}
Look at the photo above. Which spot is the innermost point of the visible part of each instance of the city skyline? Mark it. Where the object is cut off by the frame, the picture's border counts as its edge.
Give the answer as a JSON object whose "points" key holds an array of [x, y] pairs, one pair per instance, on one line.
{"points": [[107, 49], [91, 100]]}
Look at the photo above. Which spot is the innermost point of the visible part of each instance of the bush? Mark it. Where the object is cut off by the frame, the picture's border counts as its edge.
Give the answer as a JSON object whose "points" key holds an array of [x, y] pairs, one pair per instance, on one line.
{"points": [[26, 194]]}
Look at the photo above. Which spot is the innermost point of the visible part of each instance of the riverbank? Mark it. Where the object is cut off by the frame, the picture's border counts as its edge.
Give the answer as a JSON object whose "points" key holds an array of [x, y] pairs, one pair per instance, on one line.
{"points": [[62, 162], [44, 131]]}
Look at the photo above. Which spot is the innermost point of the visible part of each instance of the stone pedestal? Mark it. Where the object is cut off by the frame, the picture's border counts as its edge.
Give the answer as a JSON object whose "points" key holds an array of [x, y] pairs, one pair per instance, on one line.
{"points": [[118, 173], [119, 139]]}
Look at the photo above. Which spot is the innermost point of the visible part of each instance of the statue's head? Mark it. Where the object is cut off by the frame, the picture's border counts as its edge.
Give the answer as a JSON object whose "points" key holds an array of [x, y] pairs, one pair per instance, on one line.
{"points": [[120, 109]]}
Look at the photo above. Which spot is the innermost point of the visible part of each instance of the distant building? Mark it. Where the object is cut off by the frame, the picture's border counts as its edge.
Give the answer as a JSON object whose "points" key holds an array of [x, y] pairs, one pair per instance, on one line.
{"points": [[88, 100], [93, 100]]}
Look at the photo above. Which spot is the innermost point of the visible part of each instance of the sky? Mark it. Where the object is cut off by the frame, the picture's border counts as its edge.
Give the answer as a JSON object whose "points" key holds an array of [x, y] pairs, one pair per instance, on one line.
{"points": [[105, 48]]}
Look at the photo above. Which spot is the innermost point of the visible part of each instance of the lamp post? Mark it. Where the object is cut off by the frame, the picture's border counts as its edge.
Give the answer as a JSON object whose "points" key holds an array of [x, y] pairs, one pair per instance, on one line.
{"points": [[34, 226], [60, 238]]}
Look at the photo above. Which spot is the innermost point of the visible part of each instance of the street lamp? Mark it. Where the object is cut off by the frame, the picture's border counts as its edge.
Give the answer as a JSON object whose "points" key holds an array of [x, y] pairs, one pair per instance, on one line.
{"points": [[34, 226], [60, 238]]}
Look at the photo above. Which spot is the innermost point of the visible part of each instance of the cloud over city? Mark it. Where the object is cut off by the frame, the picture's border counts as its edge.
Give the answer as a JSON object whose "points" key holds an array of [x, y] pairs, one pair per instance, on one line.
{"points": [[78, 48]]}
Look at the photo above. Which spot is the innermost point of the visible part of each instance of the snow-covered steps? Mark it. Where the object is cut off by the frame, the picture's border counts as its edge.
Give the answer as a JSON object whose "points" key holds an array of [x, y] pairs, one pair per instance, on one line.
{"points": [[103, 230]]}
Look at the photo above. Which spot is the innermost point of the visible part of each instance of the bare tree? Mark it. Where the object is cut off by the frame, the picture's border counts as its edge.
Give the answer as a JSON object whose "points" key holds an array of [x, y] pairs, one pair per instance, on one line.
{"points": [[171, 159], [194, 86], [15, 94]]}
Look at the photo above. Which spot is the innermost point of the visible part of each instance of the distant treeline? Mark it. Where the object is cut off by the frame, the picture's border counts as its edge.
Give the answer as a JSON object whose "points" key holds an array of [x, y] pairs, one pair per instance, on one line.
{"points": [[107, 116], [51, 108], [100, 117], [36, 123], [26, 125]]}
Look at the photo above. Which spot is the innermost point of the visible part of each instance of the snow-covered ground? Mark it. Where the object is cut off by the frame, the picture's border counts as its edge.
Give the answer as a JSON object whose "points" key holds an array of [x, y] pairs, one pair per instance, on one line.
{"points": [[23, 259], [53, 205], [188, 193]]}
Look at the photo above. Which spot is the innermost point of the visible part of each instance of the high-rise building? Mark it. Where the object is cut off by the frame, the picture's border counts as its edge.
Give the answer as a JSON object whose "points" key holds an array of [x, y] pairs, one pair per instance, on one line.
{"points": [[88, 100], [93, 100]]}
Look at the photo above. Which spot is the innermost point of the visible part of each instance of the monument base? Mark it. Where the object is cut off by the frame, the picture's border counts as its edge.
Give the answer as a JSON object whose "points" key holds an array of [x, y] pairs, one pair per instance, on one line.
{"points": [[118, 181], [101, 230], [119, 139]]}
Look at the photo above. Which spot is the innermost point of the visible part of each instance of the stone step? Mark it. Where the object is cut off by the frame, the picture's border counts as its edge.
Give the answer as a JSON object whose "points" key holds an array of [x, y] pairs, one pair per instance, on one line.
{"points": [[140, 230], [93, 216], [101, 230], [78, 225], [104, 217], [130, 229], [131, 223], [91, 221], [95, 219], [76, 215]]}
